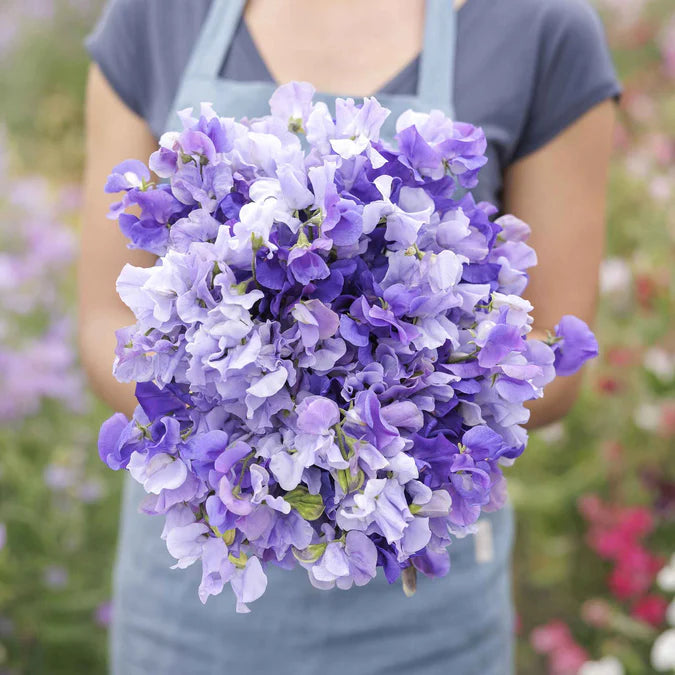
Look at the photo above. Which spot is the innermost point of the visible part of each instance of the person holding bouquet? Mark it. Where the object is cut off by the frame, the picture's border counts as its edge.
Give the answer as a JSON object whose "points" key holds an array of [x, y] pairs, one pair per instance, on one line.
{"points": [[544, 99]]}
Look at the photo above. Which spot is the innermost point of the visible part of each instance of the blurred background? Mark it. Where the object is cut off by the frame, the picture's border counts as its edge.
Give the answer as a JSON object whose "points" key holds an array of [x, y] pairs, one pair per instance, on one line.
{"points": [[595, 494]]}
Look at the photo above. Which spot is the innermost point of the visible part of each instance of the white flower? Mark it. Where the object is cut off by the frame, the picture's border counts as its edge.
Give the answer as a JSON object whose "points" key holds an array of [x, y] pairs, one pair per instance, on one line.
{"points": [[660, 363], [552, 433], [670, 613], [615, 276], [647, 416], [610, 665], [663, 651], [666, 577]]}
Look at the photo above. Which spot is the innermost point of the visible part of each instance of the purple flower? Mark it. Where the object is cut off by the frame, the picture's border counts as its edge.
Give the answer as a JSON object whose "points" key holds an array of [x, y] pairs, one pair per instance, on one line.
{"points": [[499, 343], [248, 583], [103, 614], [316, 414], [55, 576], [292, 103], [315, 321], [109, 441], [330, 352], [130, 174], [353, 562], [185, 538], [306, 264], [577, 345]]}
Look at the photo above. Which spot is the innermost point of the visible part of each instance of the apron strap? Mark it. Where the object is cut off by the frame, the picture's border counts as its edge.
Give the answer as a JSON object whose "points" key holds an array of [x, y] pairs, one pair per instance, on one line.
{"points": [[437, 60], [214, 39]]}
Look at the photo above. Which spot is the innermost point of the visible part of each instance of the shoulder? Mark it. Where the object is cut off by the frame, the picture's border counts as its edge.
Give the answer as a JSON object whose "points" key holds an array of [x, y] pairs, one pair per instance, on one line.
{"points": [[573, 72], [532, 31], [536, 19], [123, 13], [142, 47], [575, 20], [566, 11], [145, 18]]}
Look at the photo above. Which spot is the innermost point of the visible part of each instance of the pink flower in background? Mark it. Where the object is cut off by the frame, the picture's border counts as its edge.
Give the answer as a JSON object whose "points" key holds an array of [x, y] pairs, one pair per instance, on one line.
{"points": [[596, 612], [651, 609], [621, 356], [640, 105], [555, 640], [666, 41], [667, 421], [646, 289], [661, 146], [568, 660], [634, 573], [551, 636], [593, 509], [608, 385], [612, 452], [616, 533]]}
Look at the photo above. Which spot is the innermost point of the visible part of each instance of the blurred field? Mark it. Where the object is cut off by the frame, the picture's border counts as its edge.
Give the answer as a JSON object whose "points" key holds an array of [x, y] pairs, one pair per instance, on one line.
{"points": [[59, 504]]}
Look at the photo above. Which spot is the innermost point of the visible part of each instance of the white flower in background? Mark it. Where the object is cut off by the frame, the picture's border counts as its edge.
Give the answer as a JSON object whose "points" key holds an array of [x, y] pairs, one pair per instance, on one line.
{"points": [[661, 187], [610, 665], [638, 163], [552, 433], [660, 363], [663, 651], [647, 416], [615, 276], [625, 12], [666, 577], [670, 613]]}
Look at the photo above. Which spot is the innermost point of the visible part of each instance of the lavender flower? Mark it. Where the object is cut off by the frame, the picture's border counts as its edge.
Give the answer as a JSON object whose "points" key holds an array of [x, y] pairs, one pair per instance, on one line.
{"points": [[331, 352]]}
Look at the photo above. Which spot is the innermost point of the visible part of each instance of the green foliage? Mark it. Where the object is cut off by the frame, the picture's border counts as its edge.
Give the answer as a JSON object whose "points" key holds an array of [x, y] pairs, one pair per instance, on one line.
{"points": [[55, 567]]}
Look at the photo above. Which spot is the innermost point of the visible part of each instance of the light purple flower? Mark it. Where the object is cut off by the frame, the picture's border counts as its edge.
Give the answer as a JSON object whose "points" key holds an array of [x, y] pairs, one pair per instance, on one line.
{"points": [[331, 352], [578, 344]]}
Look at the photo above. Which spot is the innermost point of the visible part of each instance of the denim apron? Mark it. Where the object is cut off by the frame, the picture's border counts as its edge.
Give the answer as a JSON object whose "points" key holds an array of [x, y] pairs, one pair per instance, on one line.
{"points": [[461, 624]]}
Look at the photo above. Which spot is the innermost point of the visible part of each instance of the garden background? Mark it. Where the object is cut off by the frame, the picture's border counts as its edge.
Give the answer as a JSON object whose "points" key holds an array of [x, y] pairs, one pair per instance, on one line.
{"points": [[595, 494]]}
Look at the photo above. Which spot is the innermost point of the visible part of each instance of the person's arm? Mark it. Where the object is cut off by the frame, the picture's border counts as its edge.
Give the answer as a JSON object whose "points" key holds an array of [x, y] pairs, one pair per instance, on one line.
{"points": [[113, 133], [560, 191]]}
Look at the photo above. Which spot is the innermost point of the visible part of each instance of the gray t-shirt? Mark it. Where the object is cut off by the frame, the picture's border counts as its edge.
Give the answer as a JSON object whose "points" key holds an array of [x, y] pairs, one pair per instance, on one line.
{"points": [[525, 69]]}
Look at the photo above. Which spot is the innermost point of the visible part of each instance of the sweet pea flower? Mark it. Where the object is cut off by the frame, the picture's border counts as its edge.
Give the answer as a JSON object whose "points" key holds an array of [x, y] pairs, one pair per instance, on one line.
{"points": [[330, 352]]}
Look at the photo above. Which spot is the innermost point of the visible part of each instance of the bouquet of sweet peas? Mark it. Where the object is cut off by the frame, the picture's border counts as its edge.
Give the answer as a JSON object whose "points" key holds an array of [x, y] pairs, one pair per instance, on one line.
{"points": [[330, 351]]}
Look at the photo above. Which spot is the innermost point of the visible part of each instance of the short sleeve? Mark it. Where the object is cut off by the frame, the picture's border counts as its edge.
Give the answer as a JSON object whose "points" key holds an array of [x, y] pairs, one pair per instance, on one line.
{"points": [[116, 46], [574, 72]]}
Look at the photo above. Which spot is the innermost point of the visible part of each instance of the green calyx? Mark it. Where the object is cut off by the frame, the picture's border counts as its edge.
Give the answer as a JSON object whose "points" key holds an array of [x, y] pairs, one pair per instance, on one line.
{"points": [[303, 241], [350, 482], [295, 126], [552, 339], [310, 554], [309, 506], [239, 562], [241, 286], [256, 241], [415, 250]]}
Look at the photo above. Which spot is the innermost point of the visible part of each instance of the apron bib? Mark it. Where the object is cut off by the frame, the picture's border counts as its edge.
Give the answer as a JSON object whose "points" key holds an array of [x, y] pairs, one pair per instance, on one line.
{"points": [[201, 81], [461, 624]]}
